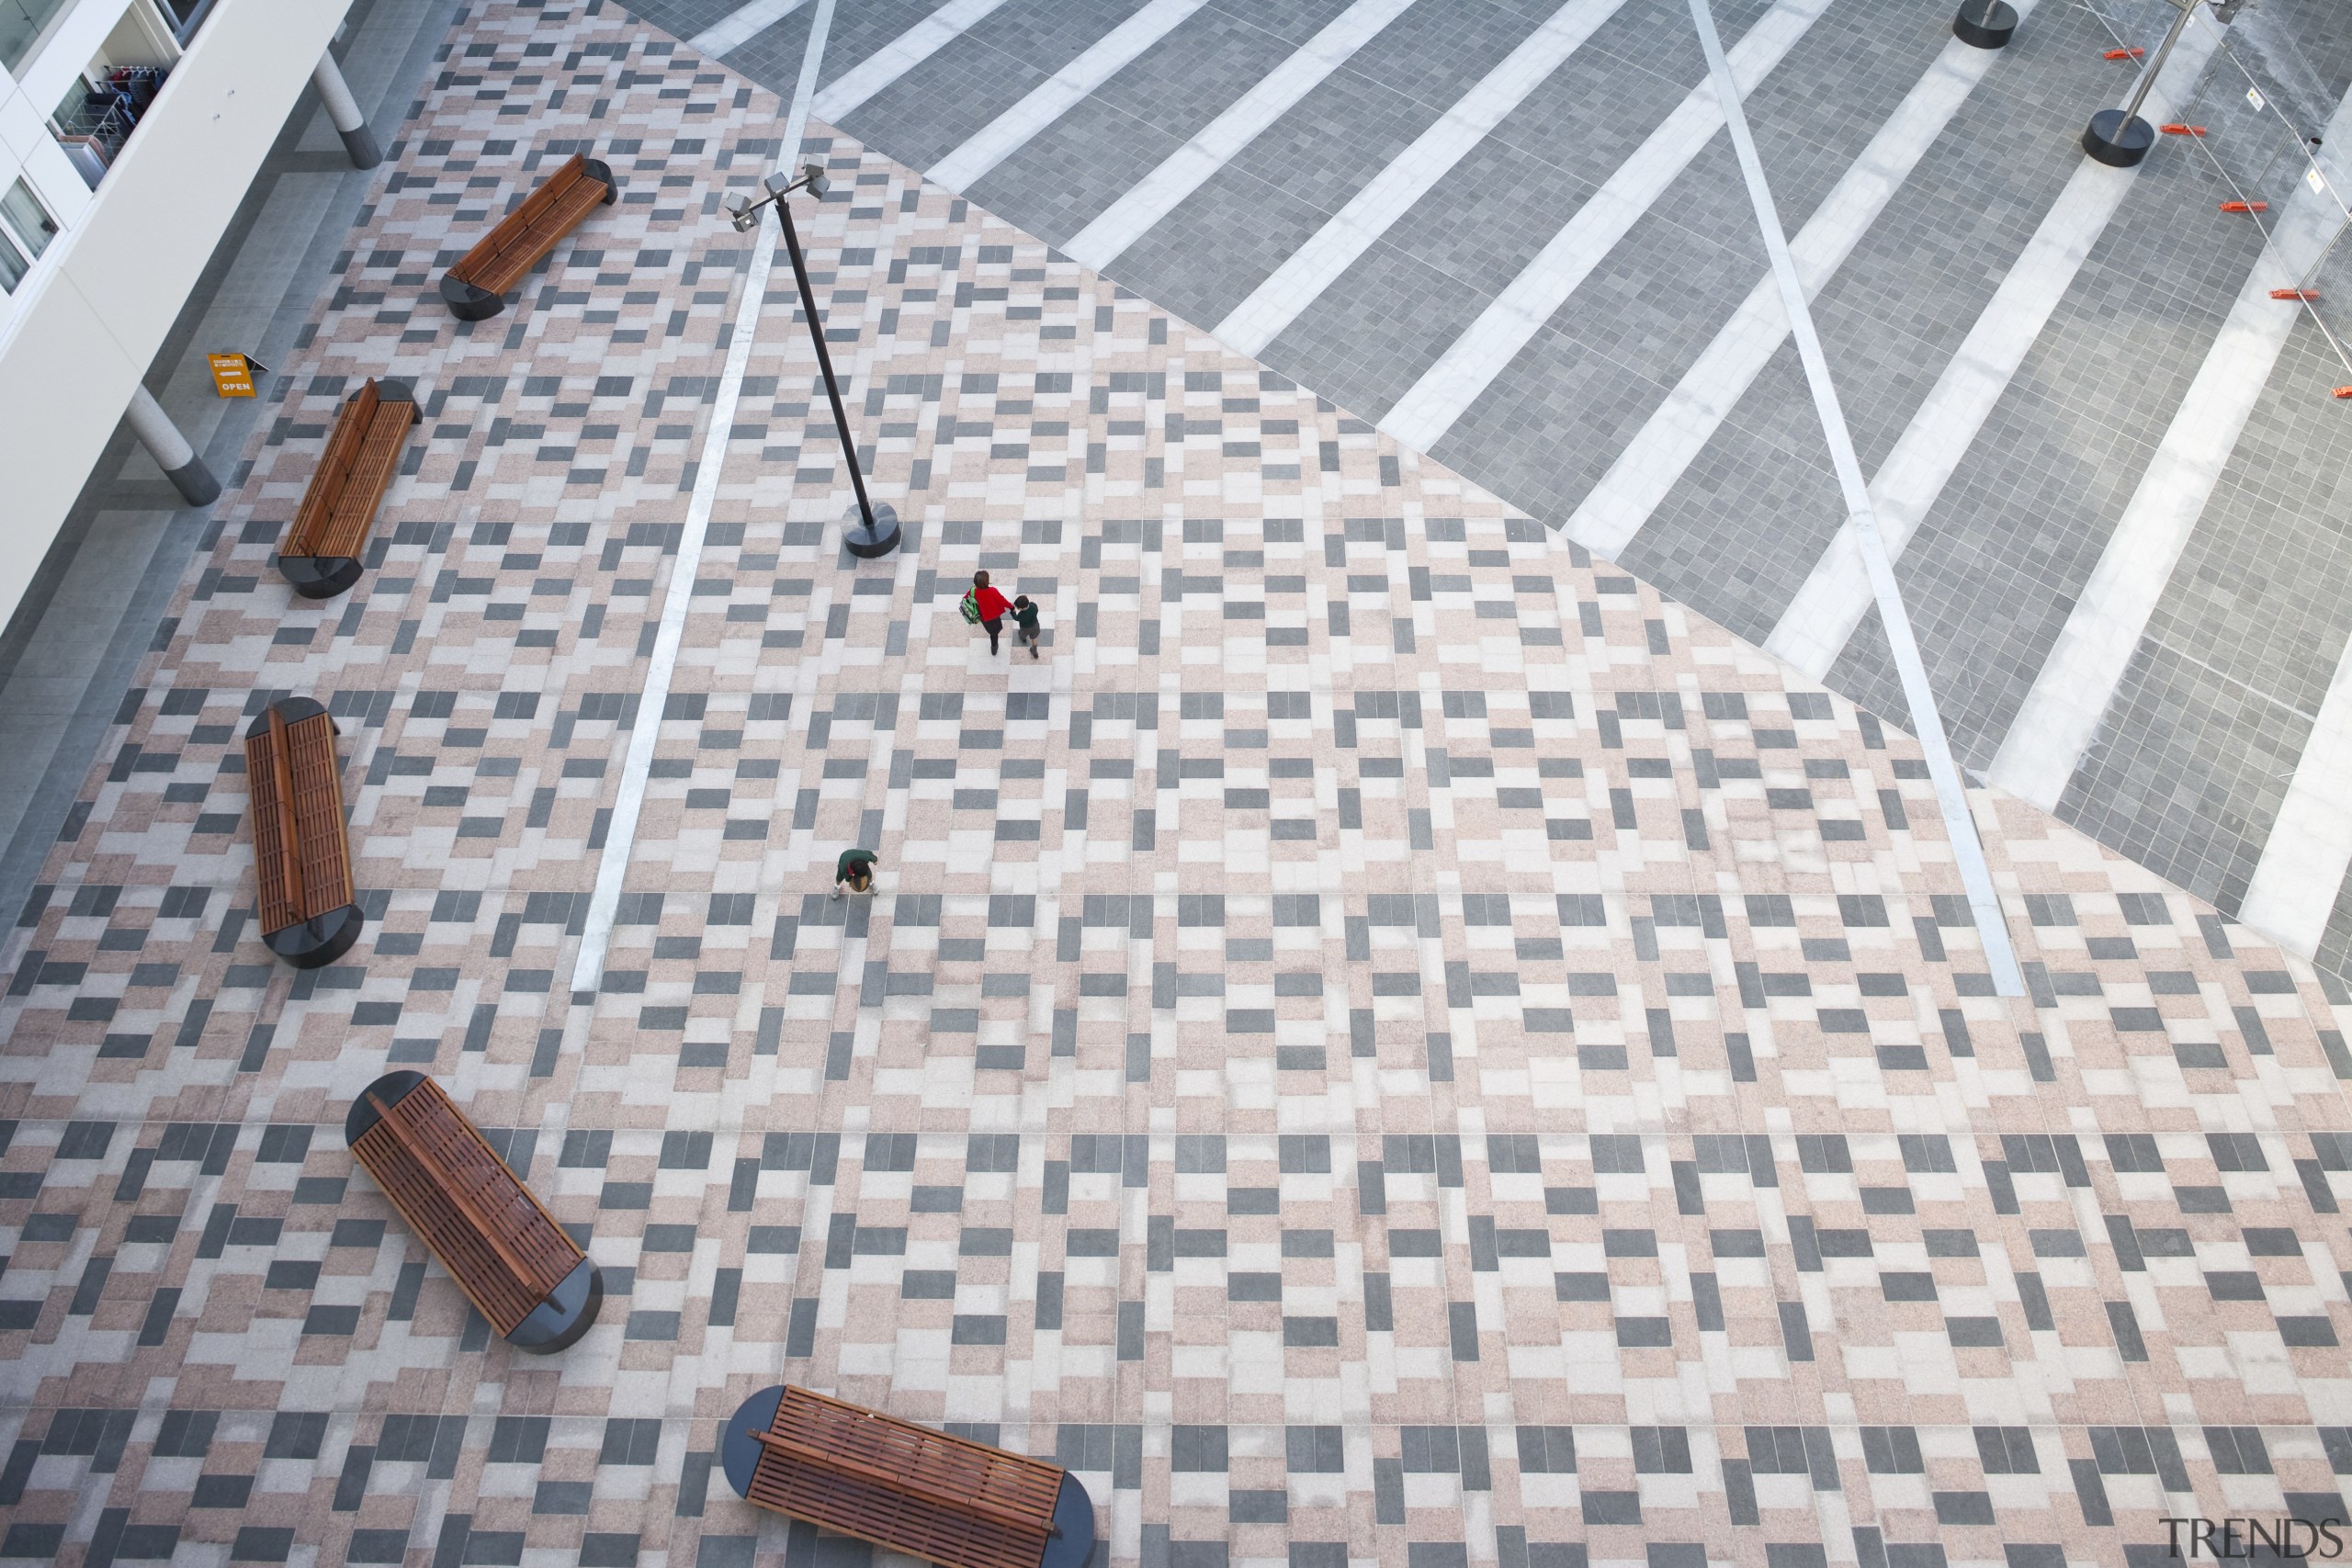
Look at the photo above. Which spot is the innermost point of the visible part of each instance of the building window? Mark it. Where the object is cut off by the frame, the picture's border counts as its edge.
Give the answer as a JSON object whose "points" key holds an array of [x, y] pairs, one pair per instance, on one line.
{"points": [[22, 22], [12, 266], [27, 222], [184, 17], [96, 115]]}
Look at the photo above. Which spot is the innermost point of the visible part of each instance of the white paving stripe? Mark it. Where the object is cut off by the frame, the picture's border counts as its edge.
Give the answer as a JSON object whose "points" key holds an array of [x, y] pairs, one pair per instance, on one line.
{"points": [[629, 803], [2293, 888], [2305, 861], [1307, 272], [1059, 93], [1653, 462], [732, 32], [1813, 630], [1468, 367], [898, 56], [1188, 168], [1836, 595], [1968, 851], [2060, 716]]}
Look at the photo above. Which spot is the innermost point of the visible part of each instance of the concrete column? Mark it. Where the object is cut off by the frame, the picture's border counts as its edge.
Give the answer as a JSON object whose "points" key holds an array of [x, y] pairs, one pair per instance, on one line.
{"points": [[170, 449], [344, 109]]}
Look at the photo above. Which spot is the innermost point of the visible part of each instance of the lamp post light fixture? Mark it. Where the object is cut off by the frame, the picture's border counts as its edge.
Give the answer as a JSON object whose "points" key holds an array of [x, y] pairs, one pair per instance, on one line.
{"points": [[874, 529], [2119, 138]]}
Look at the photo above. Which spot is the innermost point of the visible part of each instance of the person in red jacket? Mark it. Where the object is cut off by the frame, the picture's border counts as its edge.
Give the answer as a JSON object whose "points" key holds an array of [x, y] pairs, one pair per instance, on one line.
{"points": [[987, 606]]}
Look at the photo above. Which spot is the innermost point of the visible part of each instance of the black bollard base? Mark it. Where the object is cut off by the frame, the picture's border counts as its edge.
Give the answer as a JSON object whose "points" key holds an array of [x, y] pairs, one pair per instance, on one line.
{"points": [[866, 542], [1985, 24], [2117, 143]]}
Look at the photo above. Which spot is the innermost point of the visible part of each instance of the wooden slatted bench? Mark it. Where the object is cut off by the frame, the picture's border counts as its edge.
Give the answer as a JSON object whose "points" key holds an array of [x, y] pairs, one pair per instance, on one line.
{"points": [[322, 554], [476, 287], [514, 1262], [310, 910], [929, 1494]]}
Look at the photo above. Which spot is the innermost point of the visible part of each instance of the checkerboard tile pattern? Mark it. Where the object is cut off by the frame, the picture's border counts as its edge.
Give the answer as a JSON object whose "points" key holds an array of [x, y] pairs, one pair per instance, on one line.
{"points": [[1388, 1042]]}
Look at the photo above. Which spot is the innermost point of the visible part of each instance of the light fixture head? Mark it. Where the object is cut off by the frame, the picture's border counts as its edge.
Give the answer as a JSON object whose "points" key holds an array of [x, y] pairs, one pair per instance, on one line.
{"points": [[742, 214], [813, 176]]}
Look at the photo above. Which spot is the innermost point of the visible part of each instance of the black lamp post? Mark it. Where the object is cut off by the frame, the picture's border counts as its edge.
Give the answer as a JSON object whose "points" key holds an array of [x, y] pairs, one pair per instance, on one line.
{"points": [[2119, 138], [874, 532]]}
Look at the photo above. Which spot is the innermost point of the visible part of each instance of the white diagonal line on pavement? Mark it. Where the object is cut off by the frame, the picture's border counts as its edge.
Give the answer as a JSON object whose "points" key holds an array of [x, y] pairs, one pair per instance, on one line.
{"points": [[1468, 367]]}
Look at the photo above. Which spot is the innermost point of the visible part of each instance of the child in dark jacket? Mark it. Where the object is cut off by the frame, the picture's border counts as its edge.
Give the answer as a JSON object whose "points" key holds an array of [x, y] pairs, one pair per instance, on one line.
{"points": [[1025, 623]]}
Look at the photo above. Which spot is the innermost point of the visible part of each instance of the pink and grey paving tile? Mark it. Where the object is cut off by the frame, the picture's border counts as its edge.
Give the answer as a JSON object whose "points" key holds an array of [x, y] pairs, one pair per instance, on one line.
{"points": [[1389, 1043]]}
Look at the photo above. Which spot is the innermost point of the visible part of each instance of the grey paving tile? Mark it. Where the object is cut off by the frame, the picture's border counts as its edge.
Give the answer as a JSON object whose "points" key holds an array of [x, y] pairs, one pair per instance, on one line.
{"points": [[1341, 1048], [1102, 148], [929, 111], [1994, 570]]}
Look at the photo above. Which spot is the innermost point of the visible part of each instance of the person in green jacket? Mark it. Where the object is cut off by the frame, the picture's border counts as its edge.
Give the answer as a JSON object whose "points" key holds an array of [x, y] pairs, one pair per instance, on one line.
{"points": [[854, 871]]}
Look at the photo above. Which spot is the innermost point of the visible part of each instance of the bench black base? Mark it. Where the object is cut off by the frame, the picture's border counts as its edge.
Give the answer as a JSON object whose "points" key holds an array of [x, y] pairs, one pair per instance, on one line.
{"points": [[293, 710], [739, 1451], [570, 1310], [468, 304], [319, 941], [2117, 143], [1070, 1545], [1985, 24], [321, 577], [390, 1089]]}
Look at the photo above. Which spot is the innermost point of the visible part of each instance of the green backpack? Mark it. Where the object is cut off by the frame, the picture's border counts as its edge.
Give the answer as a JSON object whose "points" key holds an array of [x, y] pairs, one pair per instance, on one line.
{"points": [[971, 607]]}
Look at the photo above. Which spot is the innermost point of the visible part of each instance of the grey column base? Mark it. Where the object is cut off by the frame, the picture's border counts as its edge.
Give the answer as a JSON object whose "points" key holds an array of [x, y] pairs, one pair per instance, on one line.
{"points": [[2117, 141], [194, 482], [360, 143]]}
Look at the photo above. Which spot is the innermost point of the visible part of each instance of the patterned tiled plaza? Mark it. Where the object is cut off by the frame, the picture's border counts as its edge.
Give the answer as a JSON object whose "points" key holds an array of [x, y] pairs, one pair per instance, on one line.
{"points": [[1391, 1043]]}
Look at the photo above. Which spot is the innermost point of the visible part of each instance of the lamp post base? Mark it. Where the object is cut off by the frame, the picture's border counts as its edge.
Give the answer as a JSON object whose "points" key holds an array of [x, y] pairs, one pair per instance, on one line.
{"points": [[2117, 140], [866, 542], [1983, 26]]}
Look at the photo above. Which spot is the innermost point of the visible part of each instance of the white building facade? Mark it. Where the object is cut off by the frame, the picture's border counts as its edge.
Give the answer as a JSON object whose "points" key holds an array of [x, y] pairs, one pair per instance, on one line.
{"points": [[129, 133]]}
